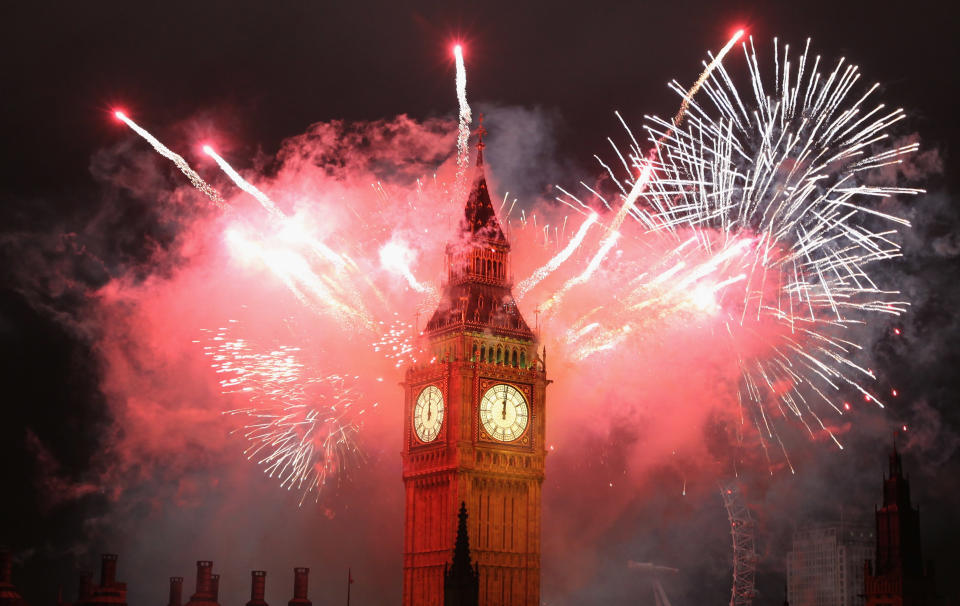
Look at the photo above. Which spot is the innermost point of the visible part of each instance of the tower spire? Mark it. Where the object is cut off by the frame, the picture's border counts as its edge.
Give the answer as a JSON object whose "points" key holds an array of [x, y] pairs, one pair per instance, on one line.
{"points": [[462, 583]]}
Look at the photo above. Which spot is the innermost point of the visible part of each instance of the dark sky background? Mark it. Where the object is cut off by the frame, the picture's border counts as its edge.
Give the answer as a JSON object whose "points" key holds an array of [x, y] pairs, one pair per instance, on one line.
{"points": [[264, 71]]}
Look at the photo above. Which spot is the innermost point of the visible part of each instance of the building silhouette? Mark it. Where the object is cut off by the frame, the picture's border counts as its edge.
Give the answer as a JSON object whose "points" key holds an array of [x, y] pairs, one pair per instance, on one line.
{"points": [[825, 564], [110, 592], [9, 596], [474, 424], [461, 582], [898, 576]]}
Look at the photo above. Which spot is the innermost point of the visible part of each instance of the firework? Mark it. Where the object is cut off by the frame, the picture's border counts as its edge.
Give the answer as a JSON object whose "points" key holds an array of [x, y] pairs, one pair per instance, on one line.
{"points": [[465, 118], [300, 427], [558, 260], [398, 342], [768, 202], [177, 159], [397, 257], [243, 184]]}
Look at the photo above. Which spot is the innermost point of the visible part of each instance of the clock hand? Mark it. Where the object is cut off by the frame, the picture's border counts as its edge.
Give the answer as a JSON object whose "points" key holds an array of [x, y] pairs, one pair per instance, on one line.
{"points": [[504, 408], [429, 410]]}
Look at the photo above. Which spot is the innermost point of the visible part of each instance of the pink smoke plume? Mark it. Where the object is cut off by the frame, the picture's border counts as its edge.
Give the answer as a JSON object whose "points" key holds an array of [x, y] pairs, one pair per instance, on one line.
{"points": [[366, 192]]}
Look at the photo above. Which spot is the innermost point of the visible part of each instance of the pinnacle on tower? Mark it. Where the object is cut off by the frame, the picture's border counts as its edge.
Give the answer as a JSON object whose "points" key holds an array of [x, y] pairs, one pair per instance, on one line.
{"points": [[461, 586]]}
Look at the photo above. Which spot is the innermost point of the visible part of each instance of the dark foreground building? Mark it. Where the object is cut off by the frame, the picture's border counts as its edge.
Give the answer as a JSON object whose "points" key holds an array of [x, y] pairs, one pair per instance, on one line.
{"points": [[9, 596], [110, 592], [898, 576]]}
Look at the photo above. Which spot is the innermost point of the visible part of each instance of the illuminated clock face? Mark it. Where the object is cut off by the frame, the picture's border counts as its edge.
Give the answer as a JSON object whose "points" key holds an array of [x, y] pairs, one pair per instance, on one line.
{"points": [[428, 414], [504, 413]]}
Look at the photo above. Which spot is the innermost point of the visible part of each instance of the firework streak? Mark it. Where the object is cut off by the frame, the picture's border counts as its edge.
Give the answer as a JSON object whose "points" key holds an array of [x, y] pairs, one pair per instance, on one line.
{"points": [[164, 151], [465, 118]]}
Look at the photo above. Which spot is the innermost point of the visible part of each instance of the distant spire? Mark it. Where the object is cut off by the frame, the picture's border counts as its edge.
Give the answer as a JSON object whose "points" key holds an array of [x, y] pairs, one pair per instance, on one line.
{"points": [[461, 585], [896, 464]]}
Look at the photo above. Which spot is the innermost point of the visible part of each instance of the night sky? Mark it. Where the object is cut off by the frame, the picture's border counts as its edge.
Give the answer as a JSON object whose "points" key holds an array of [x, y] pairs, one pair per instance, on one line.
{"points": [[263, 72]]}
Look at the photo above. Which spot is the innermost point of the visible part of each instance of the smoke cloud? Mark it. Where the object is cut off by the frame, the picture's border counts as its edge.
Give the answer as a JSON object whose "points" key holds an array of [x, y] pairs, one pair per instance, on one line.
{"points": [[638, 435]]}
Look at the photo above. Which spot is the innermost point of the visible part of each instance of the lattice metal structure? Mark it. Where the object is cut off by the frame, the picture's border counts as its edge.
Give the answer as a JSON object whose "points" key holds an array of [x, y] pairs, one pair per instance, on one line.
{"points": [[743, 531]]}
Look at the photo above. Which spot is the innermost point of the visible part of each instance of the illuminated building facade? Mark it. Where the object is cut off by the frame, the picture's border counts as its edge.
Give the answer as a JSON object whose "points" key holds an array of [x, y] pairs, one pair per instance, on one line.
{"points": [[825, 565]]}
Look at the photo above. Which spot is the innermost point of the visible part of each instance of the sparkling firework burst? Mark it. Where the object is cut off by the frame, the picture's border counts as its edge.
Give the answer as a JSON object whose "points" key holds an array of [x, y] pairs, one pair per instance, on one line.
{"points": [[300, 428], [769, 200]]}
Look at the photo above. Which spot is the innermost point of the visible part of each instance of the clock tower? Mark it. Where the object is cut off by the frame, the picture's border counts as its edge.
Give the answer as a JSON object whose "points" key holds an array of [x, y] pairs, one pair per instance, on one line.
{"points": [[473, 424]]}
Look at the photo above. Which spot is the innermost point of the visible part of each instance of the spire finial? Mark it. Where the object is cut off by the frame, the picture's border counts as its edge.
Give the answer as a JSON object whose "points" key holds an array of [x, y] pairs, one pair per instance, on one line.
{"points": [[480, 132]]}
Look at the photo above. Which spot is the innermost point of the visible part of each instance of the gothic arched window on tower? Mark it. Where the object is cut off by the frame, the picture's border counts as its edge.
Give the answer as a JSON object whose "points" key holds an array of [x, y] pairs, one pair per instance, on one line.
{"points": [[523, 360], [514, 361], [490, 355]]}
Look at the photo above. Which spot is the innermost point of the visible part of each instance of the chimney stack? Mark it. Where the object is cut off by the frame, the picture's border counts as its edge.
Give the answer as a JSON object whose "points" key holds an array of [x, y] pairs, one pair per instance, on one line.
{"points": [[204, 570], [85, 590], [8, 593], [108, 570], [258, 582], [300, 576], [176, 591], [215, 586], [6, 567]]}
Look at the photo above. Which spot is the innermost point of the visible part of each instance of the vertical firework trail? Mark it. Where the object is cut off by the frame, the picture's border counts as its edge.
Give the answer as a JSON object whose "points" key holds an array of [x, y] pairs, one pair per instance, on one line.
{"points": [[465, 118]]}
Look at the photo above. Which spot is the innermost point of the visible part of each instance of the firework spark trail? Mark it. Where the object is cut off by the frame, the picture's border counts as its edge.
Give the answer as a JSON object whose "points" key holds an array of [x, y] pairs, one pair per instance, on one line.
{"points": [[708, 69], [304, 283], [300, 428], [397, 257], [645, 171], [243, 184], [465, 118], [337, 292], [270, 206], [177, 159], [558, 260], [608, 242]]}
